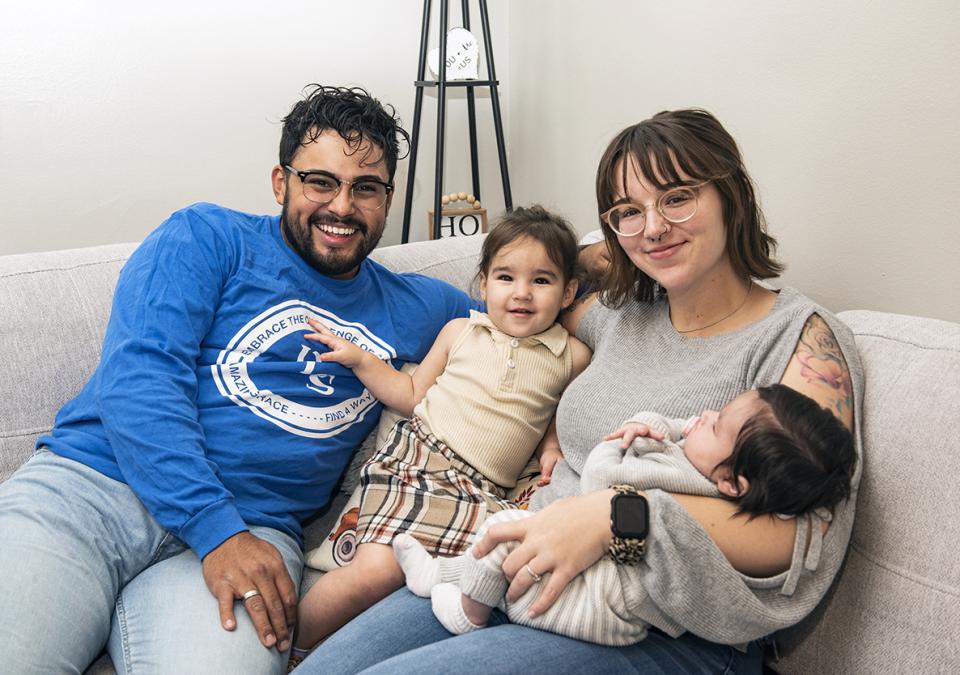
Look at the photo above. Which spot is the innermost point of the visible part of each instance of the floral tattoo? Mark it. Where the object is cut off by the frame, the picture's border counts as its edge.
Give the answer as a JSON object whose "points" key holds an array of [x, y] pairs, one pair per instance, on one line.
{"points": [[821, 362]]}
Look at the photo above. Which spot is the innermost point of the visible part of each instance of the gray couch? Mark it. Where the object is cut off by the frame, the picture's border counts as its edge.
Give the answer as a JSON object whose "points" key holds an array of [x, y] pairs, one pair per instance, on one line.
{"points": [[896, 606]]}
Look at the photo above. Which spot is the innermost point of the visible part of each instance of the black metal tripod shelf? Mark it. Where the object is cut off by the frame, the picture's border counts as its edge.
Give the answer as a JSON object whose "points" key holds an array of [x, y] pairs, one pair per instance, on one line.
{"points": [[443, 84]]}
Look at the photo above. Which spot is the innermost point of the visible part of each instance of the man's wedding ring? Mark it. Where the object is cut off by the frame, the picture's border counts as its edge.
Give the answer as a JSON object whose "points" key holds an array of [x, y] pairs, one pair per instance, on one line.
{"points": [[536, 577], [250, 594]]}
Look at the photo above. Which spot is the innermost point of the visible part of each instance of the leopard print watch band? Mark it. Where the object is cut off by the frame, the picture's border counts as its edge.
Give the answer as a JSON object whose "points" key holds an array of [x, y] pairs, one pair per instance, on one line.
{"points": [[625, 551]]}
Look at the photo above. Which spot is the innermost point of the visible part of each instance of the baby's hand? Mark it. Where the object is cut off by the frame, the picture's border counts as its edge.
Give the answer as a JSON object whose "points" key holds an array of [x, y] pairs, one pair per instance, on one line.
{"points": [[632, 430], [548, 460], [341, 351]]}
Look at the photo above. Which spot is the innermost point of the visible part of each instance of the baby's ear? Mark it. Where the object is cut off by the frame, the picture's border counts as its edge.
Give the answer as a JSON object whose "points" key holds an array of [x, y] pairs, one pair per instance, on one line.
{"points": [[733, 488]]}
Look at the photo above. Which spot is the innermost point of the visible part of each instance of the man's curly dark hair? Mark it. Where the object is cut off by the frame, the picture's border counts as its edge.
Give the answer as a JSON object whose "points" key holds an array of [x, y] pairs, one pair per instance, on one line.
{"points": [[352, 113]]}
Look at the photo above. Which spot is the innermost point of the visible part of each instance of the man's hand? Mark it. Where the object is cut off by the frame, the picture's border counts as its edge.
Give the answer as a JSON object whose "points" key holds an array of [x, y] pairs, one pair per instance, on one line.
{"points": [[245, 563], [632, 430]]}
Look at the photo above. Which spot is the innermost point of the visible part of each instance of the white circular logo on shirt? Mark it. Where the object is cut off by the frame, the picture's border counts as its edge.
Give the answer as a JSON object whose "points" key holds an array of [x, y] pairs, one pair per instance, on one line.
{"points": [[231, 372]]}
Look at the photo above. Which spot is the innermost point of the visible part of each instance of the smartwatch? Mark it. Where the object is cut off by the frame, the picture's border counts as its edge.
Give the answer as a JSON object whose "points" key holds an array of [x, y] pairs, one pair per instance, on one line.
{"points": [[629, 522]]}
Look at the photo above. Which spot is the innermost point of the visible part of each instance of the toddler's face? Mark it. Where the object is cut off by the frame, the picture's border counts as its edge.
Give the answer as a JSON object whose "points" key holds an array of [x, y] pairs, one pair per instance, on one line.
{"points": [[711, 436], [524, 289]]}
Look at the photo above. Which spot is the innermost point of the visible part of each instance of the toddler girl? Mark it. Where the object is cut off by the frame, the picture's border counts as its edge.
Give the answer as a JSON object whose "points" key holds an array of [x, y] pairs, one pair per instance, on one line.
{"points": [[480, 402]]}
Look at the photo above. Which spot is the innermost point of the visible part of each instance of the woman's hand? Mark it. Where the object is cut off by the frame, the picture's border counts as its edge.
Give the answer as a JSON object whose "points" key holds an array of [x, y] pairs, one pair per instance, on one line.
{"points": [[563, 539], [341, 351]]}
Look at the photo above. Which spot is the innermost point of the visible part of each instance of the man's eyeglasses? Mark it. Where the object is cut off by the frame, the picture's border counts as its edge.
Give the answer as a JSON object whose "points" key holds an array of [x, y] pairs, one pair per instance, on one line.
{"points": [[322, 187], [676, 205]]}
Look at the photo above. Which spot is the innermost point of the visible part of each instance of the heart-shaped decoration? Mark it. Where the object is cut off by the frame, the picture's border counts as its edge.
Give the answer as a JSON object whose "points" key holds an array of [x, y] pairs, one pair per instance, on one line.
{"points": [[463, 56]]}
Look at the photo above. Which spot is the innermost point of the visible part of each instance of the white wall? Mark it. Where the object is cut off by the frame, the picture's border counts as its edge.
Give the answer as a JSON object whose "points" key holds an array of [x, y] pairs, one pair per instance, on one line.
{"points": [[114, 114], [846, 113]]}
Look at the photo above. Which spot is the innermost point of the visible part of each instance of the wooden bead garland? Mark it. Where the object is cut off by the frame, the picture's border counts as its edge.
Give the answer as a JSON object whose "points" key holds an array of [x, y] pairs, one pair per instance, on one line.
{"points": [[460, 197]]}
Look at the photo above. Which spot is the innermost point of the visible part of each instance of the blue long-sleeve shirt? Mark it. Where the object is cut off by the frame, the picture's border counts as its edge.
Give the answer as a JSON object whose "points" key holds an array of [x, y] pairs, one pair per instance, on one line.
{"points": [[207, 400]]}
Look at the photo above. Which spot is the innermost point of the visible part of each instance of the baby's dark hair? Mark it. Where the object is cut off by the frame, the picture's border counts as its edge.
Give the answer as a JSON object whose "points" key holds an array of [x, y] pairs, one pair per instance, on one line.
{"points": [[796, 455], [539, 224], [351, 112]]}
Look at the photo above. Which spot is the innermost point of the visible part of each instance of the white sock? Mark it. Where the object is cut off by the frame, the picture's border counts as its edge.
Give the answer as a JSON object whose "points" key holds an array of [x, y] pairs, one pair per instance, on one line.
{"points": [[419, 567], [448, 608]]}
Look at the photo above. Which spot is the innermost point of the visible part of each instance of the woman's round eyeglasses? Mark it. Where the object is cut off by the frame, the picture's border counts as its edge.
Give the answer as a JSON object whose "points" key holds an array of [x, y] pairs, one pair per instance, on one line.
{"points": [[676, 205]]}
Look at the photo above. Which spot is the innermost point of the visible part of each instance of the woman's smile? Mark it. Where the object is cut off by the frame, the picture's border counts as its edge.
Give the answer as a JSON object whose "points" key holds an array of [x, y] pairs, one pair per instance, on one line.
{"points": [[665, 251]]}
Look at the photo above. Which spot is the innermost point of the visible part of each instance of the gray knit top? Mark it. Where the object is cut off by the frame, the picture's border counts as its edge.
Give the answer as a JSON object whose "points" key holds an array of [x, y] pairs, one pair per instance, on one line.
{"points": [[640, 362]]}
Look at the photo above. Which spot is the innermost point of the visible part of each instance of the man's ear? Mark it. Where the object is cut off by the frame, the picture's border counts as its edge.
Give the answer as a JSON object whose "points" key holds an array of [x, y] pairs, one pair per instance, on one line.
{"points": [[278, 181], [570, 292], [731, 488]]}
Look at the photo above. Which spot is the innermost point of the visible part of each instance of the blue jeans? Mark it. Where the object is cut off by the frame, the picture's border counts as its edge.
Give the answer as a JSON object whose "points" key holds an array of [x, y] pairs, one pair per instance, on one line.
{"points": [[401, 635], [83, 565]]}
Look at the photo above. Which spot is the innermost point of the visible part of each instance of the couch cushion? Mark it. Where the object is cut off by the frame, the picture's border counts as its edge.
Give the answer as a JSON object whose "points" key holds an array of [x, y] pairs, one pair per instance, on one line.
{"points": [[896, 606], [54, 311], [453, 259]]}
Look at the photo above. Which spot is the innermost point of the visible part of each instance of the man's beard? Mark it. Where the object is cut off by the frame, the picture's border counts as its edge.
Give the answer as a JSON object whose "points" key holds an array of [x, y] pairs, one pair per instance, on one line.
{"points": [[337, 262]]}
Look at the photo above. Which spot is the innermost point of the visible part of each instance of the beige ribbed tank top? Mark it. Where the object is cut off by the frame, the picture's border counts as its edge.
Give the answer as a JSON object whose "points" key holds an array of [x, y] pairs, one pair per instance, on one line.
{"points": [[496, 395]]}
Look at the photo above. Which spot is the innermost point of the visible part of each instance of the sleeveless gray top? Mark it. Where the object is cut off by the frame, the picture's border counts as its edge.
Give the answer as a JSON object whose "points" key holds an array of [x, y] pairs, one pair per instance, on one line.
{"points": [[640, 362]]}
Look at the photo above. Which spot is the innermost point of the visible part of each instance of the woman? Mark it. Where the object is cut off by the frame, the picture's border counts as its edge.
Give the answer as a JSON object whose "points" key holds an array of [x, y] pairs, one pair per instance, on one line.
{"points": [[679, 325]]}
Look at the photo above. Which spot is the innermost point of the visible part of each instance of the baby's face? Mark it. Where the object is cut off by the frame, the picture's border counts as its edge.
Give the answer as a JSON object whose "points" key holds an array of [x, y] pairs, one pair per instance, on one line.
{"points": [[710, 437]]}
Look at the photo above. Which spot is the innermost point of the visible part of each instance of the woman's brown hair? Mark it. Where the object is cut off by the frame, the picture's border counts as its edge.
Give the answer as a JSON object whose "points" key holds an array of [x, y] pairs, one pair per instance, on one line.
{"points": [[692, 143]]}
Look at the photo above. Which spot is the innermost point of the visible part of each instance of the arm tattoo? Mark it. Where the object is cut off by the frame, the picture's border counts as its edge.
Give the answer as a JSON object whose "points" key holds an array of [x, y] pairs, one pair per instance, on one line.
{"points": [[577, 302], [821, 362]]}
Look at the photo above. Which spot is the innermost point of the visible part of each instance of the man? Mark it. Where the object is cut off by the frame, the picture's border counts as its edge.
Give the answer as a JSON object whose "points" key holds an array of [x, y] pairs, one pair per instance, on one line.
{"points": [[173, 486]]}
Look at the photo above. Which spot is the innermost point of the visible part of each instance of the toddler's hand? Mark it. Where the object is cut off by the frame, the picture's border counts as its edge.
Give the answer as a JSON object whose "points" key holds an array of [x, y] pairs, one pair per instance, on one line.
{"points": [[341, 351], [632, 430], [548, 460]]}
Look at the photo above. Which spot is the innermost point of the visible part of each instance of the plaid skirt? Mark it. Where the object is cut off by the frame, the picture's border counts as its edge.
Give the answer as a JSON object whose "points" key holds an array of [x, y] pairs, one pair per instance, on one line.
{"points": [[417, 484]]}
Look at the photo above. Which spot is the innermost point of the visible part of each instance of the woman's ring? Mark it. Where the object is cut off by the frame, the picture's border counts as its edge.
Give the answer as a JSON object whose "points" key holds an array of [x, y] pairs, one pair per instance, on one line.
{"points": [[536, 577], [250, 594]]}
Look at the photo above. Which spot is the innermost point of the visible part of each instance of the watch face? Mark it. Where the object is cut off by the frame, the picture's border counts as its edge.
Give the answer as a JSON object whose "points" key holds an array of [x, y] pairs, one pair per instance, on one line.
{"points": [[629, 516]]}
